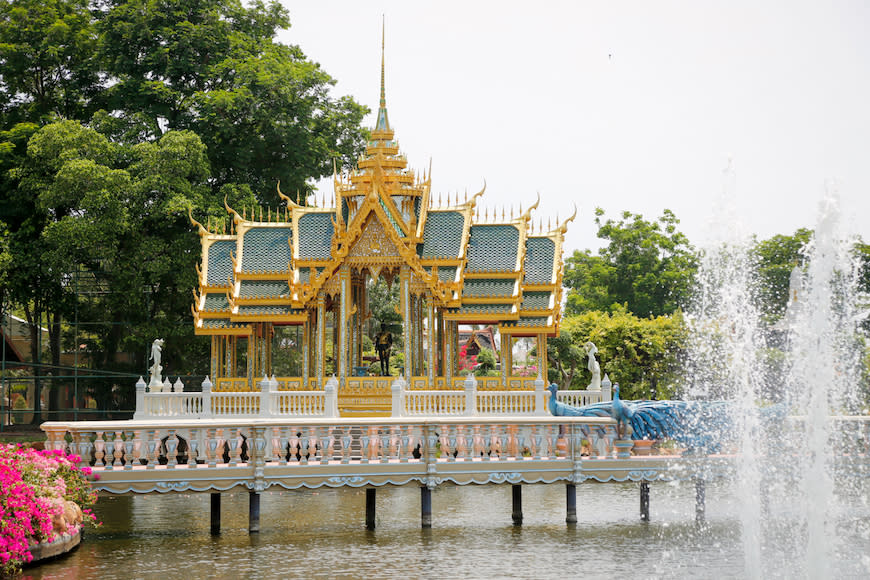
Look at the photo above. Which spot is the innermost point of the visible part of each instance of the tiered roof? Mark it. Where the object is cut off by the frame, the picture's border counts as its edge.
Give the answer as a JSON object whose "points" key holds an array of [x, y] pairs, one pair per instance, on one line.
{"points": [[478, 270]]}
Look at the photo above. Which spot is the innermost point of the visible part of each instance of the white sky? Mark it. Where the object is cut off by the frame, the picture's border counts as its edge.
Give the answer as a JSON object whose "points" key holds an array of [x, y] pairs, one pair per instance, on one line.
{"points": [[634, 105]]}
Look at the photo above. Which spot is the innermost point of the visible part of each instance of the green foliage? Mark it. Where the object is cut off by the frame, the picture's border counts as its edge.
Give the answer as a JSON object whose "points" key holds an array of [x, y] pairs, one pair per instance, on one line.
{"points": [[648, 267], [47, 65], [485, 362], [641, 354], [774, 260], [263, 110], [565, 357], [383, 299]]}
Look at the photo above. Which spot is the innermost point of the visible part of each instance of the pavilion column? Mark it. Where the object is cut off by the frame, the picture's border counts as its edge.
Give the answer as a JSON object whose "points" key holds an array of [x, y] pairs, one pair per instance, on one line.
{"points": [[217, 356], [320, 340], [230, 369], [341, 350], [252, 355], [542, 355], [506, 363], [432, 343], [449, 343], [306, 352], [420, 356], [405, 289]]}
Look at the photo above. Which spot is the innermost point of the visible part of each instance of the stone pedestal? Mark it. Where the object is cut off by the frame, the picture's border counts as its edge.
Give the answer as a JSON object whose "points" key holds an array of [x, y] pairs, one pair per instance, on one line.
{"points": [[623, 448]]}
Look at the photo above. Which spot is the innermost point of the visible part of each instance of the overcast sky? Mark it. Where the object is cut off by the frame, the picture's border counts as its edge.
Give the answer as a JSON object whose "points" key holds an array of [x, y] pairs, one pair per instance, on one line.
{"points": [[624, 105]]}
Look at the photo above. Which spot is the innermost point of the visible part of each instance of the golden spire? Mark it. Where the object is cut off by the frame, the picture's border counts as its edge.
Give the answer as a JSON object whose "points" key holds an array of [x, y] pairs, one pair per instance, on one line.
{"points": [[383, 123]]}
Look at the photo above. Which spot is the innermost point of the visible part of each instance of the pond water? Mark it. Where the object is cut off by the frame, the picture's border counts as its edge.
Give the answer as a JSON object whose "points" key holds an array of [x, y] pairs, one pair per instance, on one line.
{"points": [[321, 534]]}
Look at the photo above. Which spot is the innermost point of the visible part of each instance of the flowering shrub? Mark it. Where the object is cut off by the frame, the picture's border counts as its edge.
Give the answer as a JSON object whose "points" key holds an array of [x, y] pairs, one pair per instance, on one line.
{"points": [[42, 494], [466, 362]]}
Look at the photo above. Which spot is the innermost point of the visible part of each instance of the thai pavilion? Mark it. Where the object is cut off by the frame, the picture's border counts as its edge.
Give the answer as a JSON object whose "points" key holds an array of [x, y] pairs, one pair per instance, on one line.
{"points": [[310, 267]]}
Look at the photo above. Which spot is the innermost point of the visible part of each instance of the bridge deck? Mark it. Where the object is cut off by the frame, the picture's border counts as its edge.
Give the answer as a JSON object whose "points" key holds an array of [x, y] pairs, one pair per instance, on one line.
{"points": [[200, 456]]}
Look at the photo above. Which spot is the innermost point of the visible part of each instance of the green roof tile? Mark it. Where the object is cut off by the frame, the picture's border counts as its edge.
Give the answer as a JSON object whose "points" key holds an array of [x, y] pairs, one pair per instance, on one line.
{"points": [[536, 300], [266, 250], [447, 273], [494, 287], [442, 236], [263, 289], [540, 253], [215, 302], [220, 266], [264, 310], [484, 309], [315, 236], [492, 248]]}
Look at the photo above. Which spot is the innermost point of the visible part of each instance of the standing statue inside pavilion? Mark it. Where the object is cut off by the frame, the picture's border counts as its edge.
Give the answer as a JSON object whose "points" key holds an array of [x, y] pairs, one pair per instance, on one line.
{"points": [[310, 268]]}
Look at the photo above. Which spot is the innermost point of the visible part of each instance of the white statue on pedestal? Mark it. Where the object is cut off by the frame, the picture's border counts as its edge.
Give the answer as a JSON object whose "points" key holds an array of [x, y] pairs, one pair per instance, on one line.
{"points": [[156, 369], [593, 366]]}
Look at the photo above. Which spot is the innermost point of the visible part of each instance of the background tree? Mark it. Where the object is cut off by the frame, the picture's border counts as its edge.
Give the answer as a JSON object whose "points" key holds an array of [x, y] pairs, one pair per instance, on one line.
{"points": [[646, 266], [47, 60], [774, 259], [263, 110], [641, 354]]}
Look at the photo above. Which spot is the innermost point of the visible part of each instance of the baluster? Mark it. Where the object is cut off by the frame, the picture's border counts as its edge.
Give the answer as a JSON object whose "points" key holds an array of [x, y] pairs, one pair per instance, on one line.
{"points": [[491, 442], [99, 450], [451, 441], [304, 443], [315, 444], [465, 446], [117, 451], [128, 449], [86, 448], [365, 441], [535, 442], [152, 448], [277, 449], [384, 446], [405, 444], [285, 437], [234, 448], [327, 446], [211, 447], [504, 450], [137, 447], [295, 455], [521, 444], [171, 449], [192, 447], [346, 441]]}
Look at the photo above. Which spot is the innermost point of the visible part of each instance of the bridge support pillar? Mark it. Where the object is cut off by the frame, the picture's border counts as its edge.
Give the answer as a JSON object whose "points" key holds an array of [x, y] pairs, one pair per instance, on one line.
{"points": [[215, 514], [253, 512], [517, 497], [371, 494], [426, 507], [571, 503], [644, 501], [700, 500]]}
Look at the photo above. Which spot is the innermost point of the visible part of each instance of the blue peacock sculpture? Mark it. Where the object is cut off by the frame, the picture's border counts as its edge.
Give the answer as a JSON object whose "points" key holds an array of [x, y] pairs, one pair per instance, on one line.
{"points": [[702, 425]]}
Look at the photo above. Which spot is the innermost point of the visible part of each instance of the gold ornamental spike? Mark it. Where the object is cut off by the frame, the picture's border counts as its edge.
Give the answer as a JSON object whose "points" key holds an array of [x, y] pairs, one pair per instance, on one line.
{"points": [[202, 230], [290, 202], [269, 213], [502, 213], [528, 215], [564, 227]]}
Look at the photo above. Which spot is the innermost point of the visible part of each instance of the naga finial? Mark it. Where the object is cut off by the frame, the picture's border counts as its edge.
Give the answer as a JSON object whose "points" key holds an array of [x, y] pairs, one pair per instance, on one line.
{"points": [[202, 230], [237, 219], [290, 202]]}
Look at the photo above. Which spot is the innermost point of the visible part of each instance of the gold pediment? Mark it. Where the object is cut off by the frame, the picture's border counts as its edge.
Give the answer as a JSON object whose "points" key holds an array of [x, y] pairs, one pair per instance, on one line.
{"points": [[373, 245]]}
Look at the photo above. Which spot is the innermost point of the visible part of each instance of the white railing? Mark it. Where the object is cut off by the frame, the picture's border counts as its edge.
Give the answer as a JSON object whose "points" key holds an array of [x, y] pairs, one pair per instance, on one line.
{"points": [[170, 402], [472, 398], [255, 454]]}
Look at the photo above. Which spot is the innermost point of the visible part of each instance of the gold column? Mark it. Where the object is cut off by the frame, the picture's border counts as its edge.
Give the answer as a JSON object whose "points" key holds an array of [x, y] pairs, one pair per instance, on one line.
{"points": [[432, 338]]}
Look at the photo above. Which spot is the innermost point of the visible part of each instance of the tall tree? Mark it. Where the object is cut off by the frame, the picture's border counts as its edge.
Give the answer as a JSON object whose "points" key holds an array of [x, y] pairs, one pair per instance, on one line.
{"points": [[263, 109], [647, 266], [774, 260], [47, 60]]}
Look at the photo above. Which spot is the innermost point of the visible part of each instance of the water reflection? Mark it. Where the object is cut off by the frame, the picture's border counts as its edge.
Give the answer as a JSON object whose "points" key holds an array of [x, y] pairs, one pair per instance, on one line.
{"points": [[319, 534]]}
